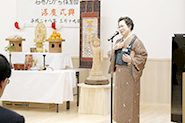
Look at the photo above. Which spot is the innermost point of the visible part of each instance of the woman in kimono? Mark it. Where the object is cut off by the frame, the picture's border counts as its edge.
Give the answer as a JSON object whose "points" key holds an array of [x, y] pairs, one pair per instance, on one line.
{"points": [[129, 59]]}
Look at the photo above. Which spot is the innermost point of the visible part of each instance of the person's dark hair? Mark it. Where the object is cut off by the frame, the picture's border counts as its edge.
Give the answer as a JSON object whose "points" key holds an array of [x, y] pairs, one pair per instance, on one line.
{"points": [[5, 68], [128, 21]]}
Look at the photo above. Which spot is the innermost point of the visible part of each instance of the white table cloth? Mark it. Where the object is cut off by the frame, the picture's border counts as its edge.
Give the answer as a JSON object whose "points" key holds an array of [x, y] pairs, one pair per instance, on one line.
{"points": [[40, 86], [57, 61]]}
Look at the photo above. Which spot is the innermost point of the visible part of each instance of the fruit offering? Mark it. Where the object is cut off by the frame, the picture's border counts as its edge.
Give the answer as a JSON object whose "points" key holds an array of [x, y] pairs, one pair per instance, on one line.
{"points": [[55, 35]]}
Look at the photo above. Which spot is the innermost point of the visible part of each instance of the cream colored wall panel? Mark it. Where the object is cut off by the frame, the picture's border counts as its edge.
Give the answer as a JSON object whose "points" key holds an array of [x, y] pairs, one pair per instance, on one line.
{"points": [[156, 82]]}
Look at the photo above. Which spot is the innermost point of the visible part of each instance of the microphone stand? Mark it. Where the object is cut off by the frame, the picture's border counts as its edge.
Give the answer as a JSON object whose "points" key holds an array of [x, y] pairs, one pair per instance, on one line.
{"points": [[111, 79], [111, 39]]}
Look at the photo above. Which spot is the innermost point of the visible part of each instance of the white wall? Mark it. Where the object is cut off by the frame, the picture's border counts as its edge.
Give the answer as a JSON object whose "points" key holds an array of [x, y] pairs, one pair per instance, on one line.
{"points": [[155, 23]]}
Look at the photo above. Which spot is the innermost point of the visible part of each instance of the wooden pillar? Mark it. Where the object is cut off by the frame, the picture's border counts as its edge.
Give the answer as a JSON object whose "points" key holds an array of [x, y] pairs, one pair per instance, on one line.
{"points": [[94, 99]]}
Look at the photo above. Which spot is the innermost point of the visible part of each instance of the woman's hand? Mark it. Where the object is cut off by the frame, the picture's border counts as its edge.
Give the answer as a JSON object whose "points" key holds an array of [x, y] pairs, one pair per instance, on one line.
{"points": [[126, 58], [119, 45]]}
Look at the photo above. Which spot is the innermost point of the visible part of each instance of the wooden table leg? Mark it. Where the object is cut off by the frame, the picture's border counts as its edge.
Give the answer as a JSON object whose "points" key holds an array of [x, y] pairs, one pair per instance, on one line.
{"points": [[68, 105], [57, 108]]}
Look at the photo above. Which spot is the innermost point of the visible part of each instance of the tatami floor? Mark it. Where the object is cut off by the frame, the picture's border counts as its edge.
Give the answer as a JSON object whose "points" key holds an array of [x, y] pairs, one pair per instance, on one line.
{"points": [[44, 113]]}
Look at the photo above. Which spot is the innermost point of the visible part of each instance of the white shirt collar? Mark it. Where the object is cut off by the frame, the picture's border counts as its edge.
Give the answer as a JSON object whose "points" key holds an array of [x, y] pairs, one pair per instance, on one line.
{"points": [[124, 39]]}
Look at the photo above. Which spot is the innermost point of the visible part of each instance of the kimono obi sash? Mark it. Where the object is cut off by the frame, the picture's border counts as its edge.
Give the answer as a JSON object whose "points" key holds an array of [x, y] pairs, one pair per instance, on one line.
{"points": [[119, 53]]}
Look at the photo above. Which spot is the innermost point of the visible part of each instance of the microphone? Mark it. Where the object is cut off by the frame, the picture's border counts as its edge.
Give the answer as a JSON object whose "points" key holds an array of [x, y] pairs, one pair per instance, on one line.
{"points": [[116, 33]]}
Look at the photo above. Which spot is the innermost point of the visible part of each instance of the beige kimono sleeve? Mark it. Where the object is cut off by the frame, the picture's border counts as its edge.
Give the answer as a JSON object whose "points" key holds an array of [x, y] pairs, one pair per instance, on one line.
{"points": [[139, 59]]}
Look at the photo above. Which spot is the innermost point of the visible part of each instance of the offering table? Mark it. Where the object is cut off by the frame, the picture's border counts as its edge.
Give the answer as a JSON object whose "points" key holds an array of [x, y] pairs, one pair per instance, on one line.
{"points": [[41, 86], [57, 61]]}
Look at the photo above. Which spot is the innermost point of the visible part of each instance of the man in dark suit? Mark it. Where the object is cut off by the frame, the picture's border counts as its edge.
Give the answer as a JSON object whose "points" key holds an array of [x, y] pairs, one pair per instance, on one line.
{"points": [[6, 115]]}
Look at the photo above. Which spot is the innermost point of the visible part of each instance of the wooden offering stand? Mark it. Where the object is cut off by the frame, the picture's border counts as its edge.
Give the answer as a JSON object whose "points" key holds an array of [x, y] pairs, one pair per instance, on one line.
{"points": [[17, 43], [55, 45]]}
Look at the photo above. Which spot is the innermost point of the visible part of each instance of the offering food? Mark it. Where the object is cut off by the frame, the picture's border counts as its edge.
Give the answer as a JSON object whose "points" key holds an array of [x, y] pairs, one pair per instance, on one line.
{"points": [[55, 35]]}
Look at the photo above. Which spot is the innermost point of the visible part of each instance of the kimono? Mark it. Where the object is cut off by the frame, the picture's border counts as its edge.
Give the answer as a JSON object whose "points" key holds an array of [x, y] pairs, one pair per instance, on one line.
{"points": [[127, 83]]}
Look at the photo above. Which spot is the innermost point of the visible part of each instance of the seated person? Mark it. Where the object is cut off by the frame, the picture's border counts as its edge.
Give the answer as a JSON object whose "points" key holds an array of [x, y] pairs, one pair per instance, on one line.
{"points": [[6, 115]]}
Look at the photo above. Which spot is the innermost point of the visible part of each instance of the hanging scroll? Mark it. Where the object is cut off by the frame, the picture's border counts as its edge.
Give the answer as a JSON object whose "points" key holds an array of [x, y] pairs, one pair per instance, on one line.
{"points": [[89, 25]]}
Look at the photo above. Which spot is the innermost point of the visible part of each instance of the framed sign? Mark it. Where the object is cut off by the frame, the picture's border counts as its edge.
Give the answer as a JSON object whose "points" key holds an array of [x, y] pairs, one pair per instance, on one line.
{"points": [[64, 12], [89, 26]]}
